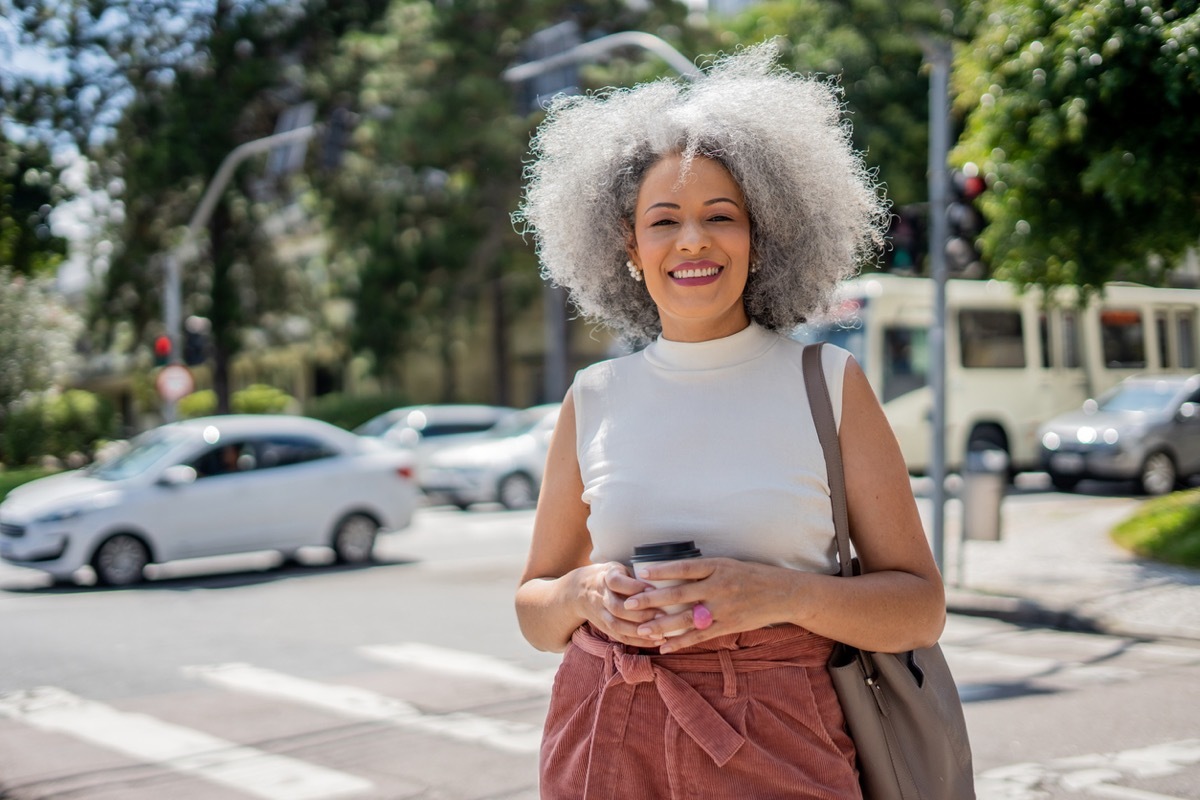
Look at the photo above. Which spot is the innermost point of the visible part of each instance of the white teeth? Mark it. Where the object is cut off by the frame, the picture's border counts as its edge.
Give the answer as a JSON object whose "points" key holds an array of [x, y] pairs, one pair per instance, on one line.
{"points": [[696, 273]]}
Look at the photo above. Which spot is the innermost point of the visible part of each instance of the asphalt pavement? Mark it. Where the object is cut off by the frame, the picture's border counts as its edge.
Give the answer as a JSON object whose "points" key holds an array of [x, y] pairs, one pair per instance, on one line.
{"points": [[1055, 565]]}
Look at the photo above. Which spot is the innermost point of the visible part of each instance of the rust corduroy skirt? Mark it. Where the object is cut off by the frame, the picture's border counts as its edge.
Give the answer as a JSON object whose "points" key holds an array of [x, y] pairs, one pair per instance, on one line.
{"points": [[750, 715]]}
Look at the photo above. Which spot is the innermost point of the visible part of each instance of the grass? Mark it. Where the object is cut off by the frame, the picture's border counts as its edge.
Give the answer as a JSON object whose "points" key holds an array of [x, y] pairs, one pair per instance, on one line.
{"points": [[12, 478], [1165, 529]]}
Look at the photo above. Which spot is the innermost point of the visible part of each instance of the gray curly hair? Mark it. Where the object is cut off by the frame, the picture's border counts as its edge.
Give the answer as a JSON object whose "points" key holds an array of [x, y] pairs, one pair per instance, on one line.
{"points": [[816, 212]]}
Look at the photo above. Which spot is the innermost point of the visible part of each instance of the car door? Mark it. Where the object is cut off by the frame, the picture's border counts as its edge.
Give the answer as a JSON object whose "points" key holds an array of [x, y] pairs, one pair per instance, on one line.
{"points": [[297, 482], [1186, 435], [220, 512]]}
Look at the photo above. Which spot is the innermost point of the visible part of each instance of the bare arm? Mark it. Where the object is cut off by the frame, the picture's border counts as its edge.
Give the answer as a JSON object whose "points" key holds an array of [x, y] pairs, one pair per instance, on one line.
{"points": [[897, 604], [560, 588]]}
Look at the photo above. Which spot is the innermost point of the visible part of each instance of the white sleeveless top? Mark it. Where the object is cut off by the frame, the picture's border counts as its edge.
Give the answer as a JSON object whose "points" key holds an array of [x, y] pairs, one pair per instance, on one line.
{"points": [[709, 441]]}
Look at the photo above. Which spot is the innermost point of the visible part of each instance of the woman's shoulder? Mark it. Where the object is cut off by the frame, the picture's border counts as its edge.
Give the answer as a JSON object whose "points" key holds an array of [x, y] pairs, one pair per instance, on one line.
{"points": [[833, 358], [602, 373]]}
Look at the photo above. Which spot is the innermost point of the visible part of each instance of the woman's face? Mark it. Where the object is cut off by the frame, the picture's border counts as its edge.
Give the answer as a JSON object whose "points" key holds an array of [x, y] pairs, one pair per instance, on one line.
{"points": [[691, 239]]}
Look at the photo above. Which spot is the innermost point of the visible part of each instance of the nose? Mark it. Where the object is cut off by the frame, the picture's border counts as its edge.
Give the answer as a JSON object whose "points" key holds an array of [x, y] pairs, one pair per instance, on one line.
{"points": [[693, 238]]}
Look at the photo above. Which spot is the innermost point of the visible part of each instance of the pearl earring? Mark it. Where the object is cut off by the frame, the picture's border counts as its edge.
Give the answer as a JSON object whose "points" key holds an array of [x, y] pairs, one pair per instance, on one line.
{"points": [[754, 266], [634, 272]]}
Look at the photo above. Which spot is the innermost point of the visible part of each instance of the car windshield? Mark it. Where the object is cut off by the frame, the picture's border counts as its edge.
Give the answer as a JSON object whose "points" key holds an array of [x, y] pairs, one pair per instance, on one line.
{"points": [[145, 451], [377, 426], [516, 424], [1146, 397]]}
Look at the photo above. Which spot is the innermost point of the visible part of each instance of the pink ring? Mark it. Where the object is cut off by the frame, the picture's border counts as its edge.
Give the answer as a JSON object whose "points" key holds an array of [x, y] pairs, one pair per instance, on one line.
{"points": [[702, 618]]}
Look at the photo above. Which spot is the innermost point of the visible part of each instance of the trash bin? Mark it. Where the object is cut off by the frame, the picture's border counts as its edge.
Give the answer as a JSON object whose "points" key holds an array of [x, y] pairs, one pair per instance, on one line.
{"points": [[985, 479]]}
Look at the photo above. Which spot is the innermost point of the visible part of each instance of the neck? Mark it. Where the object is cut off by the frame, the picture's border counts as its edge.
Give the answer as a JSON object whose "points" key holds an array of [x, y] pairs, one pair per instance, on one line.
{"points": [[685, 330]]}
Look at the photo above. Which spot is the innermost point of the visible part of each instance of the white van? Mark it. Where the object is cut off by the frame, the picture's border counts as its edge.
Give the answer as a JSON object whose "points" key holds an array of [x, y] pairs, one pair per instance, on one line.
{"points": [[1013, 360]]}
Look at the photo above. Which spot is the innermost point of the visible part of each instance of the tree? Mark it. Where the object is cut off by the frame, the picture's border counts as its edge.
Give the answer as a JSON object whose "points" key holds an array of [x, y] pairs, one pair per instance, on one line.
{"points": [[160, 94], [37, 336], [30, 188], [1084, 117]]}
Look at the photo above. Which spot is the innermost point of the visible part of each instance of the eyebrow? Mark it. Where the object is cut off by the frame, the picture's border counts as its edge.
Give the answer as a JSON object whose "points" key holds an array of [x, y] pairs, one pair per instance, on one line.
{"points": [[711, 202]]}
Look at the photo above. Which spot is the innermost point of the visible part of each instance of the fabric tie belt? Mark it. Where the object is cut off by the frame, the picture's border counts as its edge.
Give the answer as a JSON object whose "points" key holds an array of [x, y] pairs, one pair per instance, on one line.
{"points": [[625, 667]]}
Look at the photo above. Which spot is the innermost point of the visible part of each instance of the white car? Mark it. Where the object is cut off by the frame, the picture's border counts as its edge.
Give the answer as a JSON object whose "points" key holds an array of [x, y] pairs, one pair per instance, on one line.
{"points": [[504, 465], [420, 426], [212, 486]]}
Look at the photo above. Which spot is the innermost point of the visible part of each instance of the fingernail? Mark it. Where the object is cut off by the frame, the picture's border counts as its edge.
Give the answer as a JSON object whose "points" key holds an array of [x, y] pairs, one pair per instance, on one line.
{"points": [[645, 633], [631, 603]]}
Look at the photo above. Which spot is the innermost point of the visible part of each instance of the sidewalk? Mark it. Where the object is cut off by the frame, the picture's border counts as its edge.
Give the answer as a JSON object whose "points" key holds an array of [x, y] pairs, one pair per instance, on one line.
{"points": [[1056, 566]]}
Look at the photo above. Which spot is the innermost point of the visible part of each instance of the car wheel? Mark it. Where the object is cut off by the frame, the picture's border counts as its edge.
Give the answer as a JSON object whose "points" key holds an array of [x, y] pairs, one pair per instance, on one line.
{"points": [[119, 561], [1064, 483], [517, 491], [1158, 474], [354, 539]]}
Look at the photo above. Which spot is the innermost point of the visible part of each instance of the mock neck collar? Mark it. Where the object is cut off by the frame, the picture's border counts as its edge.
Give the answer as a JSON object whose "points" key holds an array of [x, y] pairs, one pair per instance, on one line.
{"points": [[747, 344]]}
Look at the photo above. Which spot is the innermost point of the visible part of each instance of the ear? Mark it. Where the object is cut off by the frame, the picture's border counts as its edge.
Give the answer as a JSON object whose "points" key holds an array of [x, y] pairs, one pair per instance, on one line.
{"points": [[631, 244]]}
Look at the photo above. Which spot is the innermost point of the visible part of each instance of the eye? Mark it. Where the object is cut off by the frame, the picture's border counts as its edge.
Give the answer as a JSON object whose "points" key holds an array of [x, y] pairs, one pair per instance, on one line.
{"points": [[661, 222]]}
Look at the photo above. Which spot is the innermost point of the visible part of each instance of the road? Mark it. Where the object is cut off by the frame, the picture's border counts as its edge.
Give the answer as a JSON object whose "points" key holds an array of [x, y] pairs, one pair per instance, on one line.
{"points": [[410, 679]]}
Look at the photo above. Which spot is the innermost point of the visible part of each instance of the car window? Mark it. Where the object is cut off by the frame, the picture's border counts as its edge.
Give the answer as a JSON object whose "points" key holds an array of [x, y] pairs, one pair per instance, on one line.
{"points": [[144, 452], [284, 451], [225, 459], [1154, 396]]}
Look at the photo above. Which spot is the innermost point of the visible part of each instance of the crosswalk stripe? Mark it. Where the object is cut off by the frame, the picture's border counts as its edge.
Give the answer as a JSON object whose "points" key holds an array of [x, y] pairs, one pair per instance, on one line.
{"points": [[174, 747], [361, 704], [444, 660]]}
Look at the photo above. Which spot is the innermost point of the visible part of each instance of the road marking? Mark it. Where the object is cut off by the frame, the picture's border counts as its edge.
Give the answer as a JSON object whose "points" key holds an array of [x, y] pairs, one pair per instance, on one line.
{"points": [[174, 747], [361, 704], [444, 660], [1093, 774]]}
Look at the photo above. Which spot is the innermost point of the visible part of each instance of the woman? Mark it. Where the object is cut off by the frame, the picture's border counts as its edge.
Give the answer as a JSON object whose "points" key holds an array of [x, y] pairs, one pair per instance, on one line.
{"points": [[713, 218]]}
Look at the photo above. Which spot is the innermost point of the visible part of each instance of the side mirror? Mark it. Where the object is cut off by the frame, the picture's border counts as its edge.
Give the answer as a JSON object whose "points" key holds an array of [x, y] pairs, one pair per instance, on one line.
{"points": [[178, 475]]}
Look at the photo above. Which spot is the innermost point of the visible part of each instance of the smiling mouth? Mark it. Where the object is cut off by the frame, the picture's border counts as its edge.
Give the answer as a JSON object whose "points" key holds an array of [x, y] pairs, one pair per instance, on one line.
{"points": [[704, 272]]}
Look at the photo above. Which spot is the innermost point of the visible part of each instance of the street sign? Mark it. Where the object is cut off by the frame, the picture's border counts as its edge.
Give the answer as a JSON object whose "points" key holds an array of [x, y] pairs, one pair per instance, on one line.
{"points": [[173, 382]]}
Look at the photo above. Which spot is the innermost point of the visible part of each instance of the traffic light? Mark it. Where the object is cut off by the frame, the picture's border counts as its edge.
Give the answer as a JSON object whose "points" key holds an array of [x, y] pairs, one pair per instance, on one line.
{"points": [[338, 132], [965, 222], [906, 238], [196, 340], [534, 93], [162, 350]]}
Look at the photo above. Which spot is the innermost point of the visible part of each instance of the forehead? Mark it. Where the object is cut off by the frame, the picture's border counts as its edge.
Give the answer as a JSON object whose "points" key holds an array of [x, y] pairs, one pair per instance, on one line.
{"points": [[704, 178]]}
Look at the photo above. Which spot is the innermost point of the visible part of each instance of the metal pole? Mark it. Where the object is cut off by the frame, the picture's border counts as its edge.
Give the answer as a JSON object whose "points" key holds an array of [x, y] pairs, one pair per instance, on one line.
{"points": [[172, 284], [938, 54]]}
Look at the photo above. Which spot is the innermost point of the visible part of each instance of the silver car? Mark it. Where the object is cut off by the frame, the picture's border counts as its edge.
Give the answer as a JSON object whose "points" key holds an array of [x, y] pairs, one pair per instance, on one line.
{"points": [[1146, 429], [504, 465], [213, 486]]}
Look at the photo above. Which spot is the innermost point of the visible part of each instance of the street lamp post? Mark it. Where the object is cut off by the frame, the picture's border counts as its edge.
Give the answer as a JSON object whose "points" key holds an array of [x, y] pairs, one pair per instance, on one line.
{"points": [[555, 369], [172, 285]]}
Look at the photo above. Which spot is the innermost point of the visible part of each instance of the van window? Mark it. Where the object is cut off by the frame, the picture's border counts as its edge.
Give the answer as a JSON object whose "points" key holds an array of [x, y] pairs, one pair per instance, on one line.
{"points": [[905, 362], [1070, 327], [1163, 331], [1185, 328], [1122, 338], [991, 339]]}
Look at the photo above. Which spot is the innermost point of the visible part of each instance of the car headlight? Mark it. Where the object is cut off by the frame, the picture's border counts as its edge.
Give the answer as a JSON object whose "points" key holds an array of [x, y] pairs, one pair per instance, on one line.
{"points": [[63, 514], [1051, 440]]}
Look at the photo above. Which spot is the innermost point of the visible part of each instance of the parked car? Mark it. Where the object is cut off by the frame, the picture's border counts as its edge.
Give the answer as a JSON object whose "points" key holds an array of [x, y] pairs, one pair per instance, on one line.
{"points": [[413, 426], [1146, 429], [504, 465], [212, 486]]}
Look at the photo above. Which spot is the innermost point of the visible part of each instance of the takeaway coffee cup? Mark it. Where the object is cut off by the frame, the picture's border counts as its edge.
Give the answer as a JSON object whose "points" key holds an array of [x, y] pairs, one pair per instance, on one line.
{"points": [[644, 554]]}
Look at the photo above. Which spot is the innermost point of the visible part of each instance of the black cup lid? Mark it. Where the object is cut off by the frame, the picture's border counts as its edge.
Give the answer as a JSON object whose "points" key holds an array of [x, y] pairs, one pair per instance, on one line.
{"points": [[665, 551]]}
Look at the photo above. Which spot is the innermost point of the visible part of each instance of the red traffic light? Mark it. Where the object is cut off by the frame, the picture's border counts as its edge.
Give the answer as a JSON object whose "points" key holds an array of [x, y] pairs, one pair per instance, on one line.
{"points": [[162, 347], [973, 186]]}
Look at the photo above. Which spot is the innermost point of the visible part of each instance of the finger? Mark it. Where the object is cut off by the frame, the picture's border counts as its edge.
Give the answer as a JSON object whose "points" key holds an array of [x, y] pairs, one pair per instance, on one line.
{"points": [[667, 596], [623, 583], [628, 633], [666, 624], [691, 569]]}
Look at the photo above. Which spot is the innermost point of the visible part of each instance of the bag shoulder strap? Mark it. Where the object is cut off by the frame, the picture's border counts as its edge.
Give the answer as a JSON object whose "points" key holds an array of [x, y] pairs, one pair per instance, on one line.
{"points": [[822, 412]]}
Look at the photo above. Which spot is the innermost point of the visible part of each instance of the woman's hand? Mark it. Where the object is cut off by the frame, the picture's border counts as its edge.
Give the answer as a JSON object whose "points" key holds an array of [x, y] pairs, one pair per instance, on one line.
{"points": [[604, 590], [740, 595]]}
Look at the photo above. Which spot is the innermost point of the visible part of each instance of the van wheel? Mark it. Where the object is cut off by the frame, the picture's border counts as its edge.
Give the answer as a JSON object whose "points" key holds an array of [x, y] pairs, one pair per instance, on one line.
{"points": [[354, 539], [120, 560], [517, 491], [1158, 475], [1064, 483]]}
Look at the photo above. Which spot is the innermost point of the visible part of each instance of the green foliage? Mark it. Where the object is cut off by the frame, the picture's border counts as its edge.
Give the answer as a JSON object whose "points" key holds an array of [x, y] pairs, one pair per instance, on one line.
{"points": [[1084, 118], [12, 478], [255, 399], [1166, 529], [350, 411], [262, 399], [37, 336], [29, 190], [56, 424], [197, 404]]}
